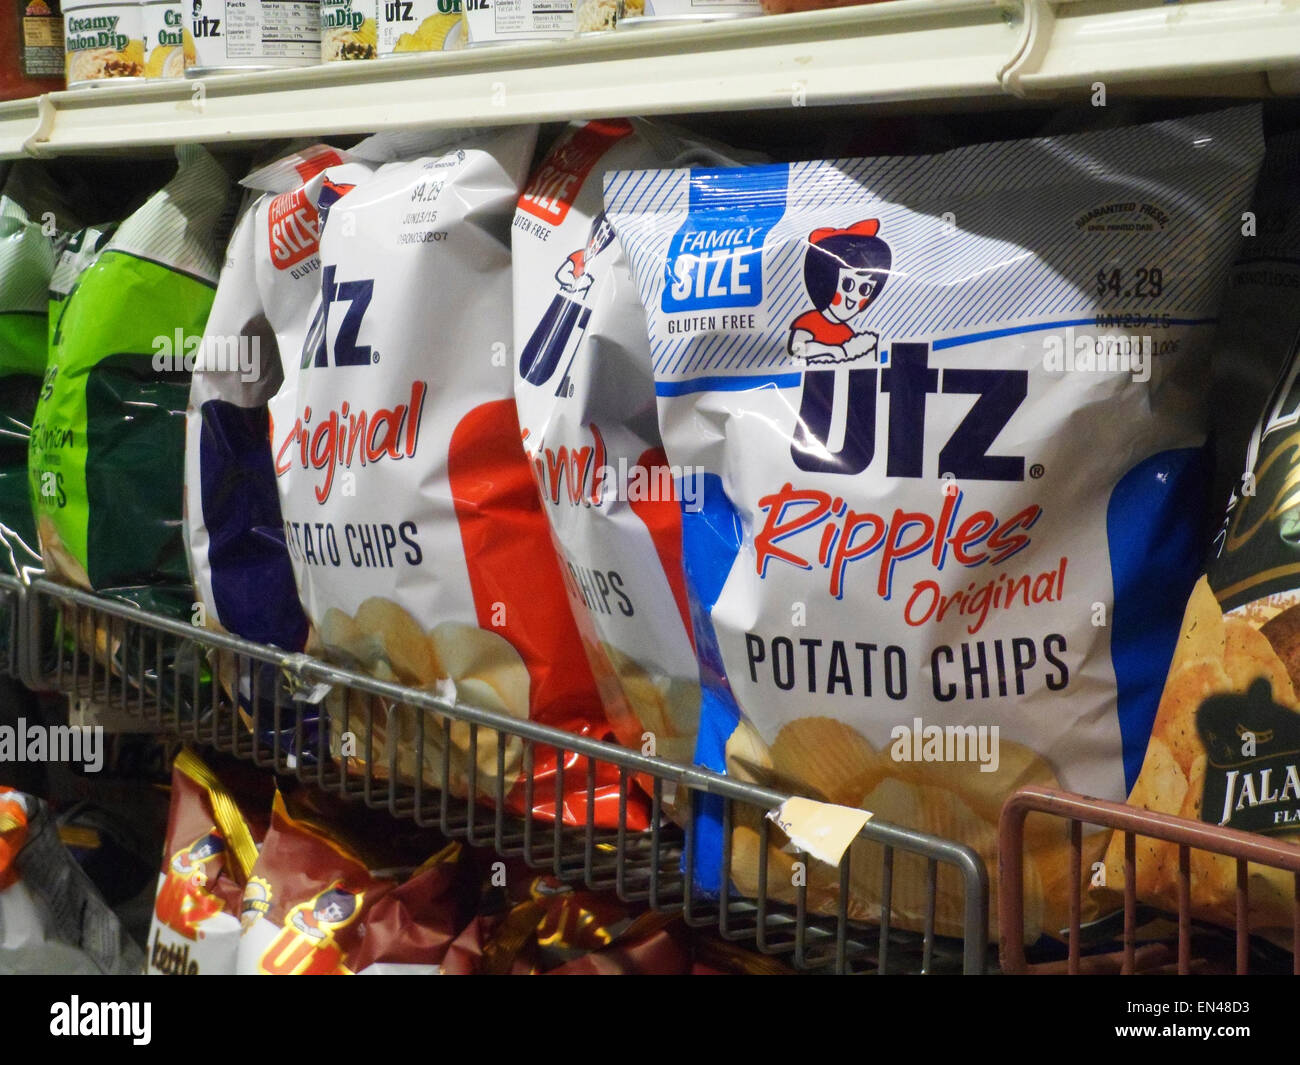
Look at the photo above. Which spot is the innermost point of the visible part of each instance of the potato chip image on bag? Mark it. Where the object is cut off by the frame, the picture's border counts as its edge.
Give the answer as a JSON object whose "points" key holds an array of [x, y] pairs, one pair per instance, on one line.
{"points": [[417, 539], [950, 411], [1224, 745]]}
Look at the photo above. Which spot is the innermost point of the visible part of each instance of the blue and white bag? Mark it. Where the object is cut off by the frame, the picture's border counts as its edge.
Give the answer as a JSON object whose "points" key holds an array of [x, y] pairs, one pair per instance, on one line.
{"points": [[950, 411]]}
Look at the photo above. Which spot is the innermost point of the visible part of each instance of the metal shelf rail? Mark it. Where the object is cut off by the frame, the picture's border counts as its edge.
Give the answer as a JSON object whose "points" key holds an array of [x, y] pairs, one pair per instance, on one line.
{"points": [[179, 678], [1245, 848]]}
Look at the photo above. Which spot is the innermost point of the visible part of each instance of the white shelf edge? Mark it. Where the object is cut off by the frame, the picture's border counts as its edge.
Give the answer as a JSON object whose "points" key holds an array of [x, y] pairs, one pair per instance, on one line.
{"points": [[905, 49], [885, 52], [1137, 41], [19, 120]]}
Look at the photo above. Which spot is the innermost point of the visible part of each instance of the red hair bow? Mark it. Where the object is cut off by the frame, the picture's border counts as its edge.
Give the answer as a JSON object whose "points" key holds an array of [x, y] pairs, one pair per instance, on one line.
{"points": [[867, 228]]}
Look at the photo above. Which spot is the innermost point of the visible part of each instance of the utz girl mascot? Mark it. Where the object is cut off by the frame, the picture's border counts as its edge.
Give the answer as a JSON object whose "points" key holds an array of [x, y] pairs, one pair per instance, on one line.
{"points": [[844, 271]]}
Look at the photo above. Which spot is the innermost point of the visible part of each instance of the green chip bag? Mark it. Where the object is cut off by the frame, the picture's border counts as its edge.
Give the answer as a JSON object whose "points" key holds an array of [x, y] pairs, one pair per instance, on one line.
{"points": [[27, 255], [106, 462]]}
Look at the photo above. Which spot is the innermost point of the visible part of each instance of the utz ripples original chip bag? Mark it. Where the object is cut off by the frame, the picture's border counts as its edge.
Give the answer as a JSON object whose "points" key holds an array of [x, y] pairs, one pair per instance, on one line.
{"points": [[951, 413]]}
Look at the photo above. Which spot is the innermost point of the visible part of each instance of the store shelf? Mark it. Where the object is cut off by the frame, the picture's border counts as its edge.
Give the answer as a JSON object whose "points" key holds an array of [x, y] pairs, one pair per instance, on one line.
{"points": [[173, 677], [909, 50], [19, 119], [1125, 42]]}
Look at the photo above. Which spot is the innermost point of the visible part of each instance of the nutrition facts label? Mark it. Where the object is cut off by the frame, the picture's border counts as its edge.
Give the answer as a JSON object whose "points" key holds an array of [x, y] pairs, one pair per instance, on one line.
{"points": [[532, 16], [43, 44], [272, 29]]}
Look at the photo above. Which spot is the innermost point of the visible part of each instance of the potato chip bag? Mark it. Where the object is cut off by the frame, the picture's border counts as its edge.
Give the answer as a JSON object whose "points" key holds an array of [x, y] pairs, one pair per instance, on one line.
{"points": [[950, 415], [27, 257], [417, 539], [244, 375], [586, 401], [315, 906], [213, 830], [1227, 729], [106, 462]]}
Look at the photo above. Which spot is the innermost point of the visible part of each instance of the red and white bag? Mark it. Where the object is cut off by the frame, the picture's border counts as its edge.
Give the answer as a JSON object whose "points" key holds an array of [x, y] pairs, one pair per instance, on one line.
{"points": [[244, 376], [585, 389], [418, 543]]}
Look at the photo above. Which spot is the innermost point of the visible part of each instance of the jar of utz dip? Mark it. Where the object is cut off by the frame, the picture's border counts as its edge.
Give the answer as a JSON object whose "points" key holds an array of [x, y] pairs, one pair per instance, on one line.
{"points": [[168, 45], [420, 26], [349, 30], [232, 35]]}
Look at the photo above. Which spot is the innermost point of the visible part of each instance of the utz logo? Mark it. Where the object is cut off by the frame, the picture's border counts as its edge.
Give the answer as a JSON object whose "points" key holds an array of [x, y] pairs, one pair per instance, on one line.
{"points": [[354, 295], [184, 902], [306, 945], [845, 367], [845, 272], [562, 327], [202, 25]]}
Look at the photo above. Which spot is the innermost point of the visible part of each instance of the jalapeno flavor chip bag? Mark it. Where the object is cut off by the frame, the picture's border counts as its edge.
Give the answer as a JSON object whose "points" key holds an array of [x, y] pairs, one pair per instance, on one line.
{"points": [[106, 461], [951, 413], [418, 542], [1223, 747], [586, 401]]}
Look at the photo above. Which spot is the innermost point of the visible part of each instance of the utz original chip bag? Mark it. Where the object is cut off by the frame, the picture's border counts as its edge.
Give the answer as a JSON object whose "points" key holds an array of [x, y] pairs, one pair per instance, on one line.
{"points": [[314, 906], [213, 830], [244, 377], [418, 542], [1223, 747], [106, 460], [587, 413], [950, 411]]}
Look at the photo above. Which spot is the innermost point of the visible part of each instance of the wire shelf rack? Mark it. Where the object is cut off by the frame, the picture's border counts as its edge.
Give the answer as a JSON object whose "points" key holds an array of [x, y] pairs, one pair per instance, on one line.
{"points": [[11, 625], [1195, 948], [270, 707]]}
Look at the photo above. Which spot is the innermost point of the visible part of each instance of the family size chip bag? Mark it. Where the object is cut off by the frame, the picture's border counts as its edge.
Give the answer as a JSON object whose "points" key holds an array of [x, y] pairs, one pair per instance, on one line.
{"points": [[106, 464], [586, 401], [418, 542], [951, 413], [213, 829], [314, 906], [244, 377]]}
